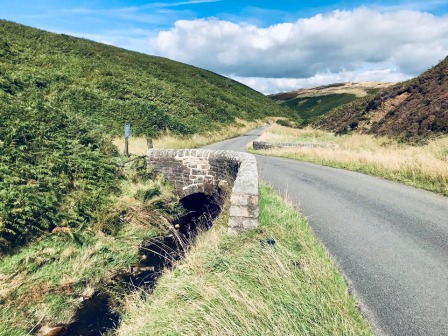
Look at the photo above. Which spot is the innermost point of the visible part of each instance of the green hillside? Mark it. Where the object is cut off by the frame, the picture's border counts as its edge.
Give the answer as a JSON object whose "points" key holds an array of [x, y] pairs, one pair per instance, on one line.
{"points": [[60, 97], [309, 108], [313, 103], [112, 86]]}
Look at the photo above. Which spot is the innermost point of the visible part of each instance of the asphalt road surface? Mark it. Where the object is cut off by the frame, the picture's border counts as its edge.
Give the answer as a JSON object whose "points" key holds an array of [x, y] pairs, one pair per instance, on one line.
{"points": [[390, 241]]}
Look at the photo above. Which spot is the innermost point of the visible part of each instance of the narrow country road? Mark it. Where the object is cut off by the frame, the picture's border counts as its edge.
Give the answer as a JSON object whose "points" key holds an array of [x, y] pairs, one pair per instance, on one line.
{"points": [[389, 240]]}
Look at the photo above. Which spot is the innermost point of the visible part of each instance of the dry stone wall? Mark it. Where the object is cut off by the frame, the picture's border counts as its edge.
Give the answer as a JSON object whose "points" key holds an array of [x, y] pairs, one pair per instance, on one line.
{"points": [[271, 145], [201, 170]]}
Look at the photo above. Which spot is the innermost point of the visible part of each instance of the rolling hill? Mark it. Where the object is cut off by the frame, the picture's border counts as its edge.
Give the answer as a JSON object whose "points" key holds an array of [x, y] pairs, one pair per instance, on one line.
{"points": [[112, 86], [61, 98], [411, 110], [312, 103]]}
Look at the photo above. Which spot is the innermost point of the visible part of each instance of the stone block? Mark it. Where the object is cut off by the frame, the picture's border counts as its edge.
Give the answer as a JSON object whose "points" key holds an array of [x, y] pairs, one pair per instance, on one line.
{"points": [[243, 211], [244, 199], [240, 224], [197, 172]]}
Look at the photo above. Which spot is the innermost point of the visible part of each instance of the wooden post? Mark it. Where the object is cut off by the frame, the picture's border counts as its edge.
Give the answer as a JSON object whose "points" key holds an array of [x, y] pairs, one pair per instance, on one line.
{"points": [[127, 134], [149, 143], [126, 146]]}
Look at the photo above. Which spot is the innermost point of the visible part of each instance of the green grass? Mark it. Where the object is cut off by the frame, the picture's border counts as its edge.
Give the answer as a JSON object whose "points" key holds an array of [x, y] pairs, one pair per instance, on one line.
{"points": [[44, 282], [55, 170], [310, 108], [232, 285], [112, 86]]}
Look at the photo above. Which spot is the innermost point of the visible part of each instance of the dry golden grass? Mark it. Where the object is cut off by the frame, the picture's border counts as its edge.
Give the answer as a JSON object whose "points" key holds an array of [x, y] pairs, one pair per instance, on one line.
{"points": [[421, 166], [358, 89], [278, 133], [138, 146]]}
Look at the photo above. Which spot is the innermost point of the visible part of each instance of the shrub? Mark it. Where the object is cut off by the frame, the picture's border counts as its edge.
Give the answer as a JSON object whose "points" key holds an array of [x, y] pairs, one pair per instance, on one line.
{"points": [[54, 171]]}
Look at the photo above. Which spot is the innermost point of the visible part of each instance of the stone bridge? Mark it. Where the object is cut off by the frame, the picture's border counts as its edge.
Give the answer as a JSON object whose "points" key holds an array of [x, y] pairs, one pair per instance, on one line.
{"points": [[193, 171]]}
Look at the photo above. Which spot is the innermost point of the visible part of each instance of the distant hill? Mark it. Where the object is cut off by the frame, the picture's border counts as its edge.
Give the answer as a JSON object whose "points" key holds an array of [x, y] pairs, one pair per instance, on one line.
{"points": [[112, 86], [315, 102], [414, 109]]}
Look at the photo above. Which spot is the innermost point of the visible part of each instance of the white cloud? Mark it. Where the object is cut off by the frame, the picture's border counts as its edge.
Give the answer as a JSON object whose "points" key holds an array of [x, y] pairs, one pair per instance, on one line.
{"points": [[359, 44], [132, 39], [153, 5]]}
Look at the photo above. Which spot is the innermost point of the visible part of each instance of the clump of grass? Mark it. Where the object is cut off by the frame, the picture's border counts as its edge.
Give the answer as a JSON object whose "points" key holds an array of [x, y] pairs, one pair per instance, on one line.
{"points": [[242, 285], [424, 166], [46, 281], [54, 171]]}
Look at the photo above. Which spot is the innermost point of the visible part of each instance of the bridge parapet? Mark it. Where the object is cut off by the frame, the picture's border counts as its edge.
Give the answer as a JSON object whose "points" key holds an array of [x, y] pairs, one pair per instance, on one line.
{"points": [[193, 171]]}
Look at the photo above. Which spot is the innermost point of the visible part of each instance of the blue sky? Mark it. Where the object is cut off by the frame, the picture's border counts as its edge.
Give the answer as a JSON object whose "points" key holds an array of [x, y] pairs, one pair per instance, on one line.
{"points": [[269, 45]]}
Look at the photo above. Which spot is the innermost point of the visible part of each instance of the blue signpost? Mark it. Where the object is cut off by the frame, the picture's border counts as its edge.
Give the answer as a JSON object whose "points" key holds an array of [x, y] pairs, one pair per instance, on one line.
{"points": [[127, 134]]}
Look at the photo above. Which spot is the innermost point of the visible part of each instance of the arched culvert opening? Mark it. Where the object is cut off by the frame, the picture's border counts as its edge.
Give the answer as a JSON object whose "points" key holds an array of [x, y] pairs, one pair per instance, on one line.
{"points": [[200, 211]]}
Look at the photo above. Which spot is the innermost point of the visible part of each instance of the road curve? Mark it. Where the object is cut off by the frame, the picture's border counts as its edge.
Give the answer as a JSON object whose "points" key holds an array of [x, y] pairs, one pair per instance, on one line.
{"points": [[389, 240]]}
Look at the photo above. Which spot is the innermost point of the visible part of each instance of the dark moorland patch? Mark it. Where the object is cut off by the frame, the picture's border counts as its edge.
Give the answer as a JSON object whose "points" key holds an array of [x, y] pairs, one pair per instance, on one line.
{"points": [[412, 110]]}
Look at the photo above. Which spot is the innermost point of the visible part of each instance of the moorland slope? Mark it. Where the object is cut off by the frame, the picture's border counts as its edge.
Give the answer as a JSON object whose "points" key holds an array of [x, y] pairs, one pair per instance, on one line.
{"points": [[312, 103], [112, 86], [414, 109]]}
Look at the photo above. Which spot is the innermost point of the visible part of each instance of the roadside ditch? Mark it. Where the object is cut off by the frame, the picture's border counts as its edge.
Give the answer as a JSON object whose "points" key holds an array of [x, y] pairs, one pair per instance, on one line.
{"points": [[97, 314]]}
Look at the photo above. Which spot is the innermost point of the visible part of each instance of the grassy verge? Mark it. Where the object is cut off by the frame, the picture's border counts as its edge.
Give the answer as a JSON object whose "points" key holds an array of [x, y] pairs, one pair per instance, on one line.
{"points": [[43, 283], [424, 167], [234, 285], [137, 145]]}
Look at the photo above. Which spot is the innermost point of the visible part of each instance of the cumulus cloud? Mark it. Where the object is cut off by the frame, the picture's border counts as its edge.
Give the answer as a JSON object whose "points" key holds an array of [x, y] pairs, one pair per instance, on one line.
{"points": [[362, 43]]}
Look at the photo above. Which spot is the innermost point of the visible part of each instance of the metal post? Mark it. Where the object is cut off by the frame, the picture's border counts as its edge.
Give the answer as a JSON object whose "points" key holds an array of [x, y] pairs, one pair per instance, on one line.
{"points": [[149, 144]]}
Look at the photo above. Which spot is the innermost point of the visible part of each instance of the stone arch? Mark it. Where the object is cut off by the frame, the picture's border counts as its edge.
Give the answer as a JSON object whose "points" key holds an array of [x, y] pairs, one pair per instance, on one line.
{"points": [[201, 171]]}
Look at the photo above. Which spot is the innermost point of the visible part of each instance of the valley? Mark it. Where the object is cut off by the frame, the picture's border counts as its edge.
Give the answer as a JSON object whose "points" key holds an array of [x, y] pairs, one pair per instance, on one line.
{"points": [[336, 252]]}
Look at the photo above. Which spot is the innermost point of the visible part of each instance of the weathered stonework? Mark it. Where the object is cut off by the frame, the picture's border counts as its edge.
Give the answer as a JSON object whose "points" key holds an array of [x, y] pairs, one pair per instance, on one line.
{"points": [[201, 170], [271, 145]]}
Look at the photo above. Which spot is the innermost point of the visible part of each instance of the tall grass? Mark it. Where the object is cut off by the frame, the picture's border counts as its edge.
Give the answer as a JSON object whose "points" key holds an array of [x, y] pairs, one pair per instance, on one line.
{"points": [[242, 285], [278, 133], [424, 166], [45, 282]]}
